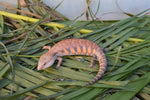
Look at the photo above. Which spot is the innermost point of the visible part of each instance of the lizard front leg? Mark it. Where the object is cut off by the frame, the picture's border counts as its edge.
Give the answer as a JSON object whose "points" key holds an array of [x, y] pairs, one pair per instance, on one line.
{"points": [[59, 62]]}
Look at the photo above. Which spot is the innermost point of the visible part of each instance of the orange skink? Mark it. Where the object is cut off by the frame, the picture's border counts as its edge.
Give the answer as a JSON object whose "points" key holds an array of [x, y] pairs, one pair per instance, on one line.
{"points": [[74, 47]]}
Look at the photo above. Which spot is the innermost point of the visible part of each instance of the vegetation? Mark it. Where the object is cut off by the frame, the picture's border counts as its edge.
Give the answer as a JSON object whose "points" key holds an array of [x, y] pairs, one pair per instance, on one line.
{"points": [[127, 45]]}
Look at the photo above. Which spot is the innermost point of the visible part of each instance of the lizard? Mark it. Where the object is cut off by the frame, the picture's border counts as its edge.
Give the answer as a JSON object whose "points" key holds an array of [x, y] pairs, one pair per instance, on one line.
{"points": [[74, 47]]}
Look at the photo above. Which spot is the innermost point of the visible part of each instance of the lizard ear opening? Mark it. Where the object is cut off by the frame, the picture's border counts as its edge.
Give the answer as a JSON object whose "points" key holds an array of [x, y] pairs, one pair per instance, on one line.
{"points": [[47, 47]]}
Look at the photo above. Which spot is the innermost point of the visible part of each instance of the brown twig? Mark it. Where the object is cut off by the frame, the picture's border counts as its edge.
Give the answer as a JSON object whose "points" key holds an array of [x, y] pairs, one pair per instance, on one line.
{"points": [[16, 38], [28, 98], [88, 4], [21, 11]]}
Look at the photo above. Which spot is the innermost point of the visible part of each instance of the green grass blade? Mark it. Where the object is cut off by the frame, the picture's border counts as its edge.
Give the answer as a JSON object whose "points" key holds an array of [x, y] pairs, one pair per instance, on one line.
{"points": [[136, 85]]}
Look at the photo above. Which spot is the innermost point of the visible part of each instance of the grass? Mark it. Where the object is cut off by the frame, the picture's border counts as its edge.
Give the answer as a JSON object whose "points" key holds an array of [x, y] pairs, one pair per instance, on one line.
{"points": [[127, 47]]}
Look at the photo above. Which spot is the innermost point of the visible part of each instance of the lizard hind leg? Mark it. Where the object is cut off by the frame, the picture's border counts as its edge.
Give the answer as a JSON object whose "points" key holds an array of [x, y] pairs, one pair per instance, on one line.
{"points": [[59, 62], [92, 61]]}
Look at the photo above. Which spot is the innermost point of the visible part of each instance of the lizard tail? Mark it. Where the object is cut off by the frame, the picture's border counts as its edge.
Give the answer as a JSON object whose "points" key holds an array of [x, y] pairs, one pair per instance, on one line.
{"points": [[103, 63]]}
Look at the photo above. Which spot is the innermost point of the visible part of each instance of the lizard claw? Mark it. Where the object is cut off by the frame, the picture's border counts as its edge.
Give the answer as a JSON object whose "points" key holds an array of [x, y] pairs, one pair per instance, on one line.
{"points": [[91, 66], [57, 66]]}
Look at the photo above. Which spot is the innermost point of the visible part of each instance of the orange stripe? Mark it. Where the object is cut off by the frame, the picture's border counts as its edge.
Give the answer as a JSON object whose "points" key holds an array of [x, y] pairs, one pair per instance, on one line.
{"points": [[72, 51], [84, 49], [94, 51], [89, 50], [78, 49], [60, 52], [66, 51]]}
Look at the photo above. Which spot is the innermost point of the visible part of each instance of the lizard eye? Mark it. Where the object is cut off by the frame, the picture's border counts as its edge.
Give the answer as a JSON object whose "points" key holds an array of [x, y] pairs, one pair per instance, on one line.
{"points": [[44, 64]]}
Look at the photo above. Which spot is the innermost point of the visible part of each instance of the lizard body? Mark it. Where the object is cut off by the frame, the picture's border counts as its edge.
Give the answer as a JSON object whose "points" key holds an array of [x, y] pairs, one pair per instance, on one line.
{"points": [[74, 47]]}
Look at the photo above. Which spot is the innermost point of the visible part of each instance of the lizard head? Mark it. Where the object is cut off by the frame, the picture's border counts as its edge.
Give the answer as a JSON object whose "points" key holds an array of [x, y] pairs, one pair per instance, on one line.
{"points": [[47, 59]]}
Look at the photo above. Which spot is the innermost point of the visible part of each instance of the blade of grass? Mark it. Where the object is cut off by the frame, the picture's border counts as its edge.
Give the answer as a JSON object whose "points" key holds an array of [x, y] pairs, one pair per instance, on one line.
{"points": [[123, 39], [27, 37], [117, 37], [136, 85], [89, 95], [4, 82], [70, 33], [69, 73], [3, 70], [11, 65], [59, 94], [132, 48], [14, 95], [74, 94]]}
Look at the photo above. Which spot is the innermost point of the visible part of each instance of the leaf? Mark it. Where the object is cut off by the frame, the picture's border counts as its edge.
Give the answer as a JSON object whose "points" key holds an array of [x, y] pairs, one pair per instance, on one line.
{"points": [[136, 85]]}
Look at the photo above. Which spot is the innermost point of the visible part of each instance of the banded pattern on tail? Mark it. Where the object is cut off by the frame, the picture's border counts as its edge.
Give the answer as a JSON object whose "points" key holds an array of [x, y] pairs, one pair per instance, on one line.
{"points": [[103, 64]]}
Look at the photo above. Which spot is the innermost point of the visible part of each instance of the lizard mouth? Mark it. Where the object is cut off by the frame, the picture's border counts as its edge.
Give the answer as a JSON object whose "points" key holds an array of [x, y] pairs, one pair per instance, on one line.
{"points": [[46, 64], [39, 67]]}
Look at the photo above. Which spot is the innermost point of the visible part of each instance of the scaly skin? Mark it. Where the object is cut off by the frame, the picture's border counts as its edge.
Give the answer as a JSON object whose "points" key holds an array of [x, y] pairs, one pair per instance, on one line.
{"points": [[74, 47]]}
